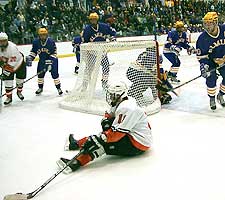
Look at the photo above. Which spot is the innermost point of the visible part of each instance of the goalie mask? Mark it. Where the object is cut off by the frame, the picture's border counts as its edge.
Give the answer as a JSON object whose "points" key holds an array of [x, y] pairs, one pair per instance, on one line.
{"points": [[210, 22], [116, 93], [3, 40]]}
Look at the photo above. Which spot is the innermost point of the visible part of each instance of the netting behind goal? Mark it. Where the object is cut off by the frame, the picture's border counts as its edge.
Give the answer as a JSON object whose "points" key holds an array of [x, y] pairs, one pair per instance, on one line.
{"points": [[133, 62]]}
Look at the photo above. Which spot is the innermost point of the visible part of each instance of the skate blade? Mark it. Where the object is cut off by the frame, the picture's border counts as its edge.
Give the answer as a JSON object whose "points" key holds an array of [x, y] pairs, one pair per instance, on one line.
{"points": [[61, 165], [17, 196], [67, 144]]}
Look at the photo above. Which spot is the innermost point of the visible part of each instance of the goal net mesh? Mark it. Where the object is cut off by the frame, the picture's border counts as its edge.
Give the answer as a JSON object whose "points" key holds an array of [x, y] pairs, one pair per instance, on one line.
{"points": [[102, 63]]}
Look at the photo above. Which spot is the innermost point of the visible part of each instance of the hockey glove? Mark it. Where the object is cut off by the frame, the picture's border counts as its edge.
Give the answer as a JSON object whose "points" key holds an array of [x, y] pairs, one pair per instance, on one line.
{"points": [[6, 73], [29, 60], [7, 70], [48, 65], [191, 50], [175, 49], [205, 70], [106, 123], [94, 146]]}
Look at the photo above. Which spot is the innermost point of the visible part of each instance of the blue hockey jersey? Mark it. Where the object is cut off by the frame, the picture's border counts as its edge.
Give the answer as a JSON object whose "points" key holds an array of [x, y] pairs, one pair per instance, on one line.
{"points": [[211, 45], [101, 33], [44, 50], [174, 38]]}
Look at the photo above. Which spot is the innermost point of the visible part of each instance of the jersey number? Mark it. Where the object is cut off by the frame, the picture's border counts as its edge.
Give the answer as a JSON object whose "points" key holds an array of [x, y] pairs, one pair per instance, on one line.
{"points": [[121, 118]]}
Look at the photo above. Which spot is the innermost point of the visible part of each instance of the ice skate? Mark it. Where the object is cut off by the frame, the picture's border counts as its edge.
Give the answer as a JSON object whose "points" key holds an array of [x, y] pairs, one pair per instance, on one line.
{"points": [[220, 100], [212, 103], [60, 92], [173, 78], [76, 70], [71, 144], [39, 91], [71, 168], [8, 101], [20, 96]]}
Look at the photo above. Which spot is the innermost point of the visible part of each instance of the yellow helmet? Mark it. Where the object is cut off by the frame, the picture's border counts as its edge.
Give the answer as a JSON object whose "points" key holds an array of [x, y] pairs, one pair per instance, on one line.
{"points": [[179, 24], [210, 17], [42, 31], [93, 16]]}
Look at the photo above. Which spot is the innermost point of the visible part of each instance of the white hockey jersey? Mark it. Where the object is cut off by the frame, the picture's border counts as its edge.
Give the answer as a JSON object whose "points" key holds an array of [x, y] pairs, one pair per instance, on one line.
{"points": [[132, 120], [11, 56]]}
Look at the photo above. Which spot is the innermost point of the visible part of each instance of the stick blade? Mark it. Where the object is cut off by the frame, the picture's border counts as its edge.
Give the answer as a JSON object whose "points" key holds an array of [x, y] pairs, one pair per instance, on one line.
{"points": [[17, 196]]}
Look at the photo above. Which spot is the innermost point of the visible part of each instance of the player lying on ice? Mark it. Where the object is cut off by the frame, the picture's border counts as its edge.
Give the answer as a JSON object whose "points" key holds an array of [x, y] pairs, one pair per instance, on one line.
{"points": [[126, 131]]}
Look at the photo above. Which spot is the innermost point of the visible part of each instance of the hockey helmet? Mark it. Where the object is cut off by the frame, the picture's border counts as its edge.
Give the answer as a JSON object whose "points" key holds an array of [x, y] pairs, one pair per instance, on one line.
{"points": [[179, 24], [93, 16], [210, 17], [116, 92], [3, 40], [3, 36], [210, 22], [42, 31]]}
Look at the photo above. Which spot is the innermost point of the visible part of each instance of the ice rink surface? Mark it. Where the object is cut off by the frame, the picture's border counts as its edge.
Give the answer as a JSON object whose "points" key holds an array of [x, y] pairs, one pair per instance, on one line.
{"points": [[186, 161]]}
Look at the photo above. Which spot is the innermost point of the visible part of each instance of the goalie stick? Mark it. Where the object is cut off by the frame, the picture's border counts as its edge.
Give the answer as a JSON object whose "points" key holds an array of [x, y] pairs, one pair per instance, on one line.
{"points": [[21, 196], [42, 71]]}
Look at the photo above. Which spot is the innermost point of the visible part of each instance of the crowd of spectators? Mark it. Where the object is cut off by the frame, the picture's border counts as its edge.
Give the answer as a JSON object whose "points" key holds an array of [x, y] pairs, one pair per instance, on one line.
{"points": [[66, 18]]}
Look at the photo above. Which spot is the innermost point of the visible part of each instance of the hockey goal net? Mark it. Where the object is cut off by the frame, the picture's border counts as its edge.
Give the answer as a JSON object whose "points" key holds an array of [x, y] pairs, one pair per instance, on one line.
{"points": [[133, 62]]}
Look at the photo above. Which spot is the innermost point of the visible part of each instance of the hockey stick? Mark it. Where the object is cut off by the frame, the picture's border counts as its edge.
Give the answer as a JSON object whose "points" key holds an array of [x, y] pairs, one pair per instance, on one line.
{"points": [[21, 196], [42, 71], [212, 70]]}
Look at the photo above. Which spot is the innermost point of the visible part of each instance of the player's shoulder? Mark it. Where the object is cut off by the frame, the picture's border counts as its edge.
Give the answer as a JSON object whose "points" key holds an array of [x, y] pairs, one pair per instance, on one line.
{"points": [[202, 36], [87, 27], [101, 24], [36, 41], [222, 27], [50, 40], [77, 39], [127, 106], [11, 44]]}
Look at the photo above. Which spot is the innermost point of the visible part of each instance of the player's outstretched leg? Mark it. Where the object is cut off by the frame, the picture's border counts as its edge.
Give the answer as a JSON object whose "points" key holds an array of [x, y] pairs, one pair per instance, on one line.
{"points": [[212, 103]]}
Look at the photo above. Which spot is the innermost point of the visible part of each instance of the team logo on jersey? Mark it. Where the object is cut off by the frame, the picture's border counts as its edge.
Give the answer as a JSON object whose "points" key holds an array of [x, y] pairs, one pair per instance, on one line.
{"points": [[97, 35], [43, 50]]}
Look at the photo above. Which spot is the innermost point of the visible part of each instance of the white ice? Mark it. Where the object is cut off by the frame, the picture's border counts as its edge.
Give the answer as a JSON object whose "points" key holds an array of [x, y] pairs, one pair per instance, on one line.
{"points": [[186, 161]]}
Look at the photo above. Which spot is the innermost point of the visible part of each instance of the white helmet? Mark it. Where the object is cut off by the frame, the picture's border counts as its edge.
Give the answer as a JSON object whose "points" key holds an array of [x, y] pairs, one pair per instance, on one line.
{"points": [[3, 36], [116, 92]]}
